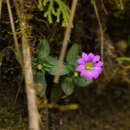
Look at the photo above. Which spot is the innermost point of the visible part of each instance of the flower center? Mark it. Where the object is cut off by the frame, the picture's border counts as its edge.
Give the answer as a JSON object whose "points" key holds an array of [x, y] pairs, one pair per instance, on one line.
{"points": [[88, 66]]}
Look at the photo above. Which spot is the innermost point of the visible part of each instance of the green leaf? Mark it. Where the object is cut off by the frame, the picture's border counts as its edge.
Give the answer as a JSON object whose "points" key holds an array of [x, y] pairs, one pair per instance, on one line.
{"points": [[51, 60], [72, 53], [52, 66], [61, 12], [67, 86], [82, 82], [63, 71], [40, 81], [43, 49], [124, 58], [40, 5]]}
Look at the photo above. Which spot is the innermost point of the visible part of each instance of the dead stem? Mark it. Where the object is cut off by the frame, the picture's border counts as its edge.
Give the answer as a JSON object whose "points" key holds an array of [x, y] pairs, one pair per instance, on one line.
{"points": [[18, 91], [65, 42], [1, 8], [14, 33], [100, 28], [15, 42], [121, 4], [104, 8]]}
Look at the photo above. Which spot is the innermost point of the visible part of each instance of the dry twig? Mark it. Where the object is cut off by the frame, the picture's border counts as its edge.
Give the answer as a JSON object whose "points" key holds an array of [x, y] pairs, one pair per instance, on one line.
{"points": [[121, 4], [15, 42], [104, 8], [65, 42], [14, 34], [100, 28], [0, 7]]}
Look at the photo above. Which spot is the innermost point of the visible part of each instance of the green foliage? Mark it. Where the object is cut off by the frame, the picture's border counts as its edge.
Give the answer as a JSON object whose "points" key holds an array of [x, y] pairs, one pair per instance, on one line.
{"points": [[52, 66], [45, 63], [124, 58], [40, 81], [82, 82], [61, 10], [43, 49], [72, 55], [67, 86]]}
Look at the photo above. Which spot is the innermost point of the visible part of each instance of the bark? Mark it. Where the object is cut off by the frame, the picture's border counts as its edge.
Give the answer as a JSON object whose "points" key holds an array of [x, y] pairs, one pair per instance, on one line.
{"points": [[31, 96], [28, 74]]}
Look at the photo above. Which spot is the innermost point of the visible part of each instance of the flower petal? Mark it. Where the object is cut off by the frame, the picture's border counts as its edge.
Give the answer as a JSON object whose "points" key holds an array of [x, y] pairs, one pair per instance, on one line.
{"points": [[99, 64], [90, 57], [84, 56], [96, 58], [89, 60], [99, 70], [81, 61], [96, 72], [89, 75], [80, 68], [83, 73]]}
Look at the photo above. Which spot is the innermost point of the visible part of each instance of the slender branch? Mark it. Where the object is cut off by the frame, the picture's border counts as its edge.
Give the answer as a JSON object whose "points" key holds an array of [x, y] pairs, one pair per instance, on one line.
{"points": [[17, 9], [121, 4], [100, 28], [46, 110], [65, 42], [14, 34], [31, 96], [15, 42], [104, 8], [0, 7], [19, 89]]}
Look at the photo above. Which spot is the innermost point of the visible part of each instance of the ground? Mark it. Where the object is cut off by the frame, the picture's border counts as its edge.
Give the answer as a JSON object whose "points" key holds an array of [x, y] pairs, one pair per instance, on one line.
{"points": [[107, 112]]}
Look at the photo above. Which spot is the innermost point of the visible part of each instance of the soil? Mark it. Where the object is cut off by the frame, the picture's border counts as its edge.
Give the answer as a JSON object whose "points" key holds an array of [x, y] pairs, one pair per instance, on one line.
{"points": [[110, 111]]}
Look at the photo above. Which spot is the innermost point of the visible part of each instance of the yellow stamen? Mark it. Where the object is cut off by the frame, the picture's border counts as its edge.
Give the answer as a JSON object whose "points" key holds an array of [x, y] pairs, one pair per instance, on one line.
{"points": [[88, 66]]}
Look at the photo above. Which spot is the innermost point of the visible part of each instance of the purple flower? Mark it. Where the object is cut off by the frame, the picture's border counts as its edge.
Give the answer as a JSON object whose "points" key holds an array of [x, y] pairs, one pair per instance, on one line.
{"points": [[90, 66]]}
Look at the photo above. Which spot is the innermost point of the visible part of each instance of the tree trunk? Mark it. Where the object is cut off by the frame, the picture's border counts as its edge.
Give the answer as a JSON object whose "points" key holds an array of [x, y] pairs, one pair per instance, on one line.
{"points": [[28, 74]]}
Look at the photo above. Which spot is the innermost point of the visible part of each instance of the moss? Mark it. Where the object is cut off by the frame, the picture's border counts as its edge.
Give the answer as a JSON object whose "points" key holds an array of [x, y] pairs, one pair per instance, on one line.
{"points": [[10, 120]]}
